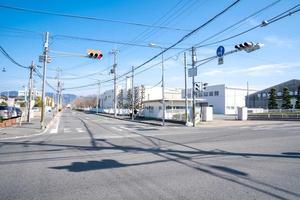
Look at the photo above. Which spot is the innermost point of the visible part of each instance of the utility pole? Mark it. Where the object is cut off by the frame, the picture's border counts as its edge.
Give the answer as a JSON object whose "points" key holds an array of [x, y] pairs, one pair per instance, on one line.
{"points": [[45, 59], [133, 93], [193, 90], [185, 88], [31, 68], [115, 52], [98, 97], [58, 70]]}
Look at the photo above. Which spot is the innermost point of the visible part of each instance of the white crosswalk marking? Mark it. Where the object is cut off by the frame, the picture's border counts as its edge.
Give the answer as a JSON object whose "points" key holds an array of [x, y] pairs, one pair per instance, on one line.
{"points": [[117, 129], [79, 130], [67, 130], [122, 127]]}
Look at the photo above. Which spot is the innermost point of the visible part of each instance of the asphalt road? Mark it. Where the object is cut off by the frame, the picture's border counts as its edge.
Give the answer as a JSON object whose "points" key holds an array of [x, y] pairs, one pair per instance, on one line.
{"points": [[84, 156]]}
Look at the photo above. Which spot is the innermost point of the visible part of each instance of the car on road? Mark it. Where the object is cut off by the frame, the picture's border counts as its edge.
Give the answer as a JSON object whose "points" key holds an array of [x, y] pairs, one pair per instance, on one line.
{"points": [[13, 111], [19, 112], [5, 112]]}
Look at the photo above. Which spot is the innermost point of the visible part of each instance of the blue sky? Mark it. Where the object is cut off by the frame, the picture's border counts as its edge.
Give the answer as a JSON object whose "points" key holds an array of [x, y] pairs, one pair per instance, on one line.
{"points": [[277, 62]]}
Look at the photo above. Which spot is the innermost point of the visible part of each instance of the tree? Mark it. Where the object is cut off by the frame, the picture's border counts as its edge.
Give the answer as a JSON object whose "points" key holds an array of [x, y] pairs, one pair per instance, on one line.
{"points": [[286, 99], [120, 102], [38, 102], [297, 105], [3, 103], [272, 104]]}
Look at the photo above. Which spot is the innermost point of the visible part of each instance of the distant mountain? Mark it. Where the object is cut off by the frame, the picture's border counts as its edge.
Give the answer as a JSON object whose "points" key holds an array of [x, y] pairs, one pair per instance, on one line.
{"points": [[11, 93], [67, 98]]}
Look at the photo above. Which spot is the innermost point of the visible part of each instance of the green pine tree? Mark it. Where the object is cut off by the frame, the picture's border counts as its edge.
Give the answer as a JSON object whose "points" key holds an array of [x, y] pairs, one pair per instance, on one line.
{"points": [[297, 105], [272, 104], [286, 99]]}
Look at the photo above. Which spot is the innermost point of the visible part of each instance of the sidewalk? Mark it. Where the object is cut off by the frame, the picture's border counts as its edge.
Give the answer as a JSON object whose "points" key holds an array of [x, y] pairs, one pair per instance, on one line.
{"points": [[26, 129], [153, 122]]}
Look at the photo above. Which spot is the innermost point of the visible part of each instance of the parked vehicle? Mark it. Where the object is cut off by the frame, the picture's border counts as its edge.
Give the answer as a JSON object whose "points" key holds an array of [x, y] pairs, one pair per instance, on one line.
{"points": [[5, 112], [13, 111], [19, 112]]}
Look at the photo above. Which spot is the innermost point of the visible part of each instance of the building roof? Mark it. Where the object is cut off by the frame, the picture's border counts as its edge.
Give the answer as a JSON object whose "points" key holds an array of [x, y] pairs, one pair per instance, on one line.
{"points": [[294, 82], [176, 100]]}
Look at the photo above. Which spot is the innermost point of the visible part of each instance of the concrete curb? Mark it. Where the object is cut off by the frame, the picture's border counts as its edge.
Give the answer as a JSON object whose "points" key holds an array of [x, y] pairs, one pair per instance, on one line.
{"points": [[36, 134], [136, 121]]}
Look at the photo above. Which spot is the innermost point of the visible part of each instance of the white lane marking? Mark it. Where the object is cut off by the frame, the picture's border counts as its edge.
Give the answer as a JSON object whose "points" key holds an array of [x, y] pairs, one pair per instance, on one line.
{"points": [[123, 127], [55, 130], [116, 128], [67, 130], [126, 136], [79, 130]]}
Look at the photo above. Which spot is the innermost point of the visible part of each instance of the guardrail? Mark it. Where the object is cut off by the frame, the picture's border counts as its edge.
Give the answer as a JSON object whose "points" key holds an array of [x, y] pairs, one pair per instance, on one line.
{"points": [[275, 116]]}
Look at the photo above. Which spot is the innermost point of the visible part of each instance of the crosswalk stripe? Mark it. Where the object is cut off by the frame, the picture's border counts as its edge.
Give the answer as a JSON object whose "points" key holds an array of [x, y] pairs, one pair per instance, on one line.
{"points": [[116, 128], [80, 130], [67, 130]]}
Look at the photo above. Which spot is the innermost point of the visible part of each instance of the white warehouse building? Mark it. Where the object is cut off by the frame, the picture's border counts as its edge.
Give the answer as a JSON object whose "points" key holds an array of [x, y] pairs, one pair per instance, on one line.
{"points": [[223, 99]]}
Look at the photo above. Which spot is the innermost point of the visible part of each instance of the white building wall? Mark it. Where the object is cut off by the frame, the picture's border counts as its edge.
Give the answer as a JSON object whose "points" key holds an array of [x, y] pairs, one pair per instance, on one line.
{"points": [[224, 100], [215, 96], [234, 98]]}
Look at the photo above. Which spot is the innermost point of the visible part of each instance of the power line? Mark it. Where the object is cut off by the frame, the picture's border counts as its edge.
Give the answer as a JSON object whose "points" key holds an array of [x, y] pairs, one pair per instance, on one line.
{"points": [[88, 18], [148, 32], [240, 21], [170, 47], [11, 59], [184, 37], [272, 20]]}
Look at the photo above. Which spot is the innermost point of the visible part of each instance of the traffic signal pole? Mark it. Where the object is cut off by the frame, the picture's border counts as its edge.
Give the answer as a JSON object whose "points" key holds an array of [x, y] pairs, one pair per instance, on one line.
{"points": [[133, 93], [193, 90], [185, 88], [45, 59], [98, 97], [115, 52]]}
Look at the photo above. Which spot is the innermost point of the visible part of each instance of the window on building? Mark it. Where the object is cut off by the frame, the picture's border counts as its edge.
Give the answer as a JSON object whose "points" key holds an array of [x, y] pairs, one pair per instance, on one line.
{"points": [[169, 107], [291, 93], [205, 94], [211, 93], [258, 95], [264, 94], [216, 93], [279, 94]]}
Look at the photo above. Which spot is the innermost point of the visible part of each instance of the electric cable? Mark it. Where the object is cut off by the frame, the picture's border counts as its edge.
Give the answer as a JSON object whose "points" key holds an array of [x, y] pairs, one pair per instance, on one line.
{"points": [[87, 18]]}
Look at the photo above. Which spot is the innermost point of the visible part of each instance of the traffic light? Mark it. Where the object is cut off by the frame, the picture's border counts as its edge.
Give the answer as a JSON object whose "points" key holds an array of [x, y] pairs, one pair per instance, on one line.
{"points": [[204, 86], [248, 46], [97, 54], [197, 87]]}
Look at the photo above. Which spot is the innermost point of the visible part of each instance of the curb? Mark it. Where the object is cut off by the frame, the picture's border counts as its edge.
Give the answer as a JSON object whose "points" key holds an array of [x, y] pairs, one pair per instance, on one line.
{"points": [[36, 134], [136, 121]]}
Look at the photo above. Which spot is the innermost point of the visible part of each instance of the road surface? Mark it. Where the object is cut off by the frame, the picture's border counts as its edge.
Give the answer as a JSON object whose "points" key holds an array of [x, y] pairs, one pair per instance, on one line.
{"points": [[84, 156]]}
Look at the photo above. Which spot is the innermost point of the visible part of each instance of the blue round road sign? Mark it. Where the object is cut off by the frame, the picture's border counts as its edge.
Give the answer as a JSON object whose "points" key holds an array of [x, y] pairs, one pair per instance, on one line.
{"points": [[220, 51]]}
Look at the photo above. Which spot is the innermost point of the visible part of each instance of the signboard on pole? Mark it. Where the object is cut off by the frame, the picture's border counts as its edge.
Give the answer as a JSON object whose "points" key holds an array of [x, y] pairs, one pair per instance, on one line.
{"points": [[220, 60], [220, 51], [192, 72]]}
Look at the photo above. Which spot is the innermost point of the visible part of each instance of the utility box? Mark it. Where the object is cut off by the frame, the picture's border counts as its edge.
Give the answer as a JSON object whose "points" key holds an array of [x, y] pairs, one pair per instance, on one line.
{"points": [[242, 113], [207, 114]]}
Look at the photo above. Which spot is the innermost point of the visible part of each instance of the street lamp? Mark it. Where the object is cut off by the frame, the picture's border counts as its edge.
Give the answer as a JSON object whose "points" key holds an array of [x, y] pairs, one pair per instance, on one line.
{"points": [[162, 80]]}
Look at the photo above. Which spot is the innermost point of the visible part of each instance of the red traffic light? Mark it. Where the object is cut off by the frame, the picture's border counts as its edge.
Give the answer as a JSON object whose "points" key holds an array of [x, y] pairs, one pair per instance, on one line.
{"points": [[97, 54]]}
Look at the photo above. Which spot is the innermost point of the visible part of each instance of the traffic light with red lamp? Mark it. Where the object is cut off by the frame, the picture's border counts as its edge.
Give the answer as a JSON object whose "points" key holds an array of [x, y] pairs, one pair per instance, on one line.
{"points": [[96, 54], [248, 46]]}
